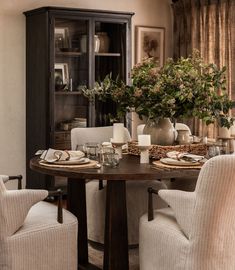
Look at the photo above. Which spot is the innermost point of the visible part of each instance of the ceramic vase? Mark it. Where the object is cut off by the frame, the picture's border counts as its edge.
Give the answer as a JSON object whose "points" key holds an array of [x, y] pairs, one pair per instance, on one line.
{"points": [[104, 42], [183, 136], [161, 130]]}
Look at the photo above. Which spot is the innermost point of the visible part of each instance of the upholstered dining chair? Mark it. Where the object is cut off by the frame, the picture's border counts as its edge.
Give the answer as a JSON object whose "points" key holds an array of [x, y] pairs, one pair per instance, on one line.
{"points": [[31, 238], [136, 191], [197, 231]]}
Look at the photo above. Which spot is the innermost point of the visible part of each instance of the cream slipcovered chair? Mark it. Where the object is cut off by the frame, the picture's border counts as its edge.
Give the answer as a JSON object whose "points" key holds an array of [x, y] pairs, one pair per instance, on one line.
{"points": [[31, 238], [197, 231], [136, 191]]}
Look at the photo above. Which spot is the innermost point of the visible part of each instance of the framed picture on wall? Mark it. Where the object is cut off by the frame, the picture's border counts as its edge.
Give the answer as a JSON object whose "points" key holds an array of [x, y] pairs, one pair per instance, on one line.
{"points": [[150, 42]]}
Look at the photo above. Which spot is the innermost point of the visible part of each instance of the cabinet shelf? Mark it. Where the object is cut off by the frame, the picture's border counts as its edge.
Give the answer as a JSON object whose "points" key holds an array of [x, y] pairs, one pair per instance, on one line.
{"points": [[77, 54], [67, 93], [108, 54], [72, 54]]}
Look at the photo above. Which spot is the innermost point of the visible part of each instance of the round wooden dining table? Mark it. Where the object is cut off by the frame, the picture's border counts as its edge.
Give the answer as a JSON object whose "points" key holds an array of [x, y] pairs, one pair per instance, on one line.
{"points": [[116, 235]]}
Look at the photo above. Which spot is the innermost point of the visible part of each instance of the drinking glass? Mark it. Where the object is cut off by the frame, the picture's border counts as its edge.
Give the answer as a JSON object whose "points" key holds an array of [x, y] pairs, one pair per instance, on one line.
{"points": [[103, 151], [92, 150], [214, 150], [110, 159]]}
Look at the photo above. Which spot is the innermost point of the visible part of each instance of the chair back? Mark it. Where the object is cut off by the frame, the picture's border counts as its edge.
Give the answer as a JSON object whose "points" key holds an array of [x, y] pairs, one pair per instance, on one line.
{"points": [[213, 222], [179, 126], [80, 136], [140, 129]]}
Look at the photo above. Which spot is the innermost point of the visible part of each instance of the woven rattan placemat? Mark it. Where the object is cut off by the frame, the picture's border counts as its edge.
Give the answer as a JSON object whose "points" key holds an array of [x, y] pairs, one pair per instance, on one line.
{"points": [[91, 164], [159, 164]]}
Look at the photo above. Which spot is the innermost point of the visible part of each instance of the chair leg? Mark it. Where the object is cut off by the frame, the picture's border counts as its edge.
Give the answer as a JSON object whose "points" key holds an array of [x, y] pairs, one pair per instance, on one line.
{"points": [[101, 184]]}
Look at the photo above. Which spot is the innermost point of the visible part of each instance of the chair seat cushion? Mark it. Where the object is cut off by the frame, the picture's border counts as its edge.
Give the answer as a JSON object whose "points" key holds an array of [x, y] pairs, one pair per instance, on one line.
{"points": [[162, 243], [56, 244]]}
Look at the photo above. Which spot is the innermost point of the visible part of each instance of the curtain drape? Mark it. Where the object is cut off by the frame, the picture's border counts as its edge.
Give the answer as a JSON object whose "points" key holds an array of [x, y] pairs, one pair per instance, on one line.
{"points": [[209, 26]]}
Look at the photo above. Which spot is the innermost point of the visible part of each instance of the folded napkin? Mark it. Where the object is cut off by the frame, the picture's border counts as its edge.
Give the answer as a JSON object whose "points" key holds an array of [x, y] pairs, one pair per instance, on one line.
{"points": [[184, 156], [53, 155]]}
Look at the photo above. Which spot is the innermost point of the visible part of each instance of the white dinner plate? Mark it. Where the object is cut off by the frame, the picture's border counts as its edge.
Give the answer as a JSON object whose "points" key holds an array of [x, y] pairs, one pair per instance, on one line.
{"points": [[171, 161], [72, 161]]}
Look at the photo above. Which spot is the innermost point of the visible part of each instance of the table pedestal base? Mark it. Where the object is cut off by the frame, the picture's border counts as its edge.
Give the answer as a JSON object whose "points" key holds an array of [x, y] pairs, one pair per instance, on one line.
{"points": [[76, 203], [116, 240]]}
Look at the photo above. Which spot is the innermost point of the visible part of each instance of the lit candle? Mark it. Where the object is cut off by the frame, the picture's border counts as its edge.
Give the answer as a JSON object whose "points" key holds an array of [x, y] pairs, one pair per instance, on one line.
{"points": [[144, 140], [118, 132]]}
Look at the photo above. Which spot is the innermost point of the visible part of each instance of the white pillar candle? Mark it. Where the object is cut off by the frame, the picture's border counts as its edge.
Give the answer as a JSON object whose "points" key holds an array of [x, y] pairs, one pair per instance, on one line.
{"points": [[144, 140], [144, 156], [118, 133]]}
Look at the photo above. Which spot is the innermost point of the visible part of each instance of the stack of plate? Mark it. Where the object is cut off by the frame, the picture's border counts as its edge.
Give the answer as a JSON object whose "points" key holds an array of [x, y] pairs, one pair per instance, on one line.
{"points": [[79, 122]]}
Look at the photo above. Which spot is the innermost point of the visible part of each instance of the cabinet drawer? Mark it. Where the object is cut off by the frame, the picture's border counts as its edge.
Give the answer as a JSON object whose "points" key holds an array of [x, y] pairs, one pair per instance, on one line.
{"points": [[62, 137], [63, 146]]}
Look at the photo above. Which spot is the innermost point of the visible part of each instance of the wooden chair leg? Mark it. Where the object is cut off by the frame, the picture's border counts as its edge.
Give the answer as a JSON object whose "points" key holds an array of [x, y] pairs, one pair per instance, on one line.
{"points": [[101, 184], [58, 193]]}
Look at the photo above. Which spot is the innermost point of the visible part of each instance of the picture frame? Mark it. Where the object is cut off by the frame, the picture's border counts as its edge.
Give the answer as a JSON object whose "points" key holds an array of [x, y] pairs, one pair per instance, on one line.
{"points": [[61, 73], [150, 42], [61, 36]]}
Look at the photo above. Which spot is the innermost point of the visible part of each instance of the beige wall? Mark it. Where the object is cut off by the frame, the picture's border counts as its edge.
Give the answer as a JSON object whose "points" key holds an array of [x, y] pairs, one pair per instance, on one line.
{"points": [[12, 62]]}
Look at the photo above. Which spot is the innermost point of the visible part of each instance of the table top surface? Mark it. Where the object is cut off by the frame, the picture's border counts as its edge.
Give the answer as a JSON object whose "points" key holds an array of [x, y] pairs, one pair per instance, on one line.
{"points": [[129, 168]]}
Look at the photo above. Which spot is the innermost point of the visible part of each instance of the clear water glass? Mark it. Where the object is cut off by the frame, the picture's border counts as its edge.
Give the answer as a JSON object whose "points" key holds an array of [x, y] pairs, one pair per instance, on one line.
{"points": [[92, 150], [110, 159], [213, 150]]}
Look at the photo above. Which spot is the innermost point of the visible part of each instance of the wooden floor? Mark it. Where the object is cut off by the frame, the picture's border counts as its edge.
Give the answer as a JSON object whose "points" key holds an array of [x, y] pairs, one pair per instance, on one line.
{"points": [[96, 257]]}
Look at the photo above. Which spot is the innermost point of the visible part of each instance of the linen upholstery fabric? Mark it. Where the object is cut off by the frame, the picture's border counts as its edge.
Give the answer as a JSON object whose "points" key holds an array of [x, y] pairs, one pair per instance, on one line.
{"points": [[40, 242], [80, 136], [206, 239], [95, 198], [182, 208], [14, 207], [5, 178]]}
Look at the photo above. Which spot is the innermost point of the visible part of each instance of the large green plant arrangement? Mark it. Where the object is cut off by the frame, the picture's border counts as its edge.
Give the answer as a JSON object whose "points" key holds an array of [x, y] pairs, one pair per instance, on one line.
{"points": [[184, 88]]}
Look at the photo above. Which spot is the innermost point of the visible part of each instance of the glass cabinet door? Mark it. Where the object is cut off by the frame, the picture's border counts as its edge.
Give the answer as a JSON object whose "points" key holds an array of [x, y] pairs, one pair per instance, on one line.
{"points": [[110, 58], [70, 73]]}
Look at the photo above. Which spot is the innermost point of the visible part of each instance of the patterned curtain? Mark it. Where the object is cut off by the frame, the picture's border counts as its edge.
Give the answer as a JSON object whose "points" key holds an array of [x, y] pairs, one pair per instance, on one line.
{"points": [[209, 26]]}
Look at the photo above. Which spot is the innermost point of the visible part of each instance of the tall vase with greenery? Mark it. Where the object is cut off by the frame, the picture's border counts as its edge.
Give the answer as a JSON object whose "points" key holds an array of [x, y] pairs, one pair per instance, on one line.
{"points": [[185, 88]]}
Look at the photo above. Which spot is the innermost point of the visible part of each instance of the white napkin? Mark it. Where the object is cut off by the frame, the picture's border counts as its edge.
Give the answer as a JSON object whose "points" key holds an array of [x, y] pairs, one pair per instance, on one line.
{"points": [[53, 155], [184, 156]]}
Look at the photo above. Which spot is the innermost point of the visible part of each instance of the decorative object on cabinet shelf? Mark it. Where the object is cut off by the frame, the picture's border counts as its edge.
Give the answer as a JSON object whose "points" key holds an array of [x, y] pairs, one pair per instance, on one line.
{"points": [[104, 42], [70, 84], [74, 123], [150, 43], [83, 43], [61, 76], [61, 38]]}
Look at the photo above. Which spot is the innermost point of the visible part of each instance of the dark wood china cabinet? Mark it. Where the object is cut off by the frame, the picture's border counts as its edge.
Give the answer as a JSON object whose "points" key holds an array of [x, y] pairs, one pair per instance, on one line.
{"points": [[68, 48]]}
